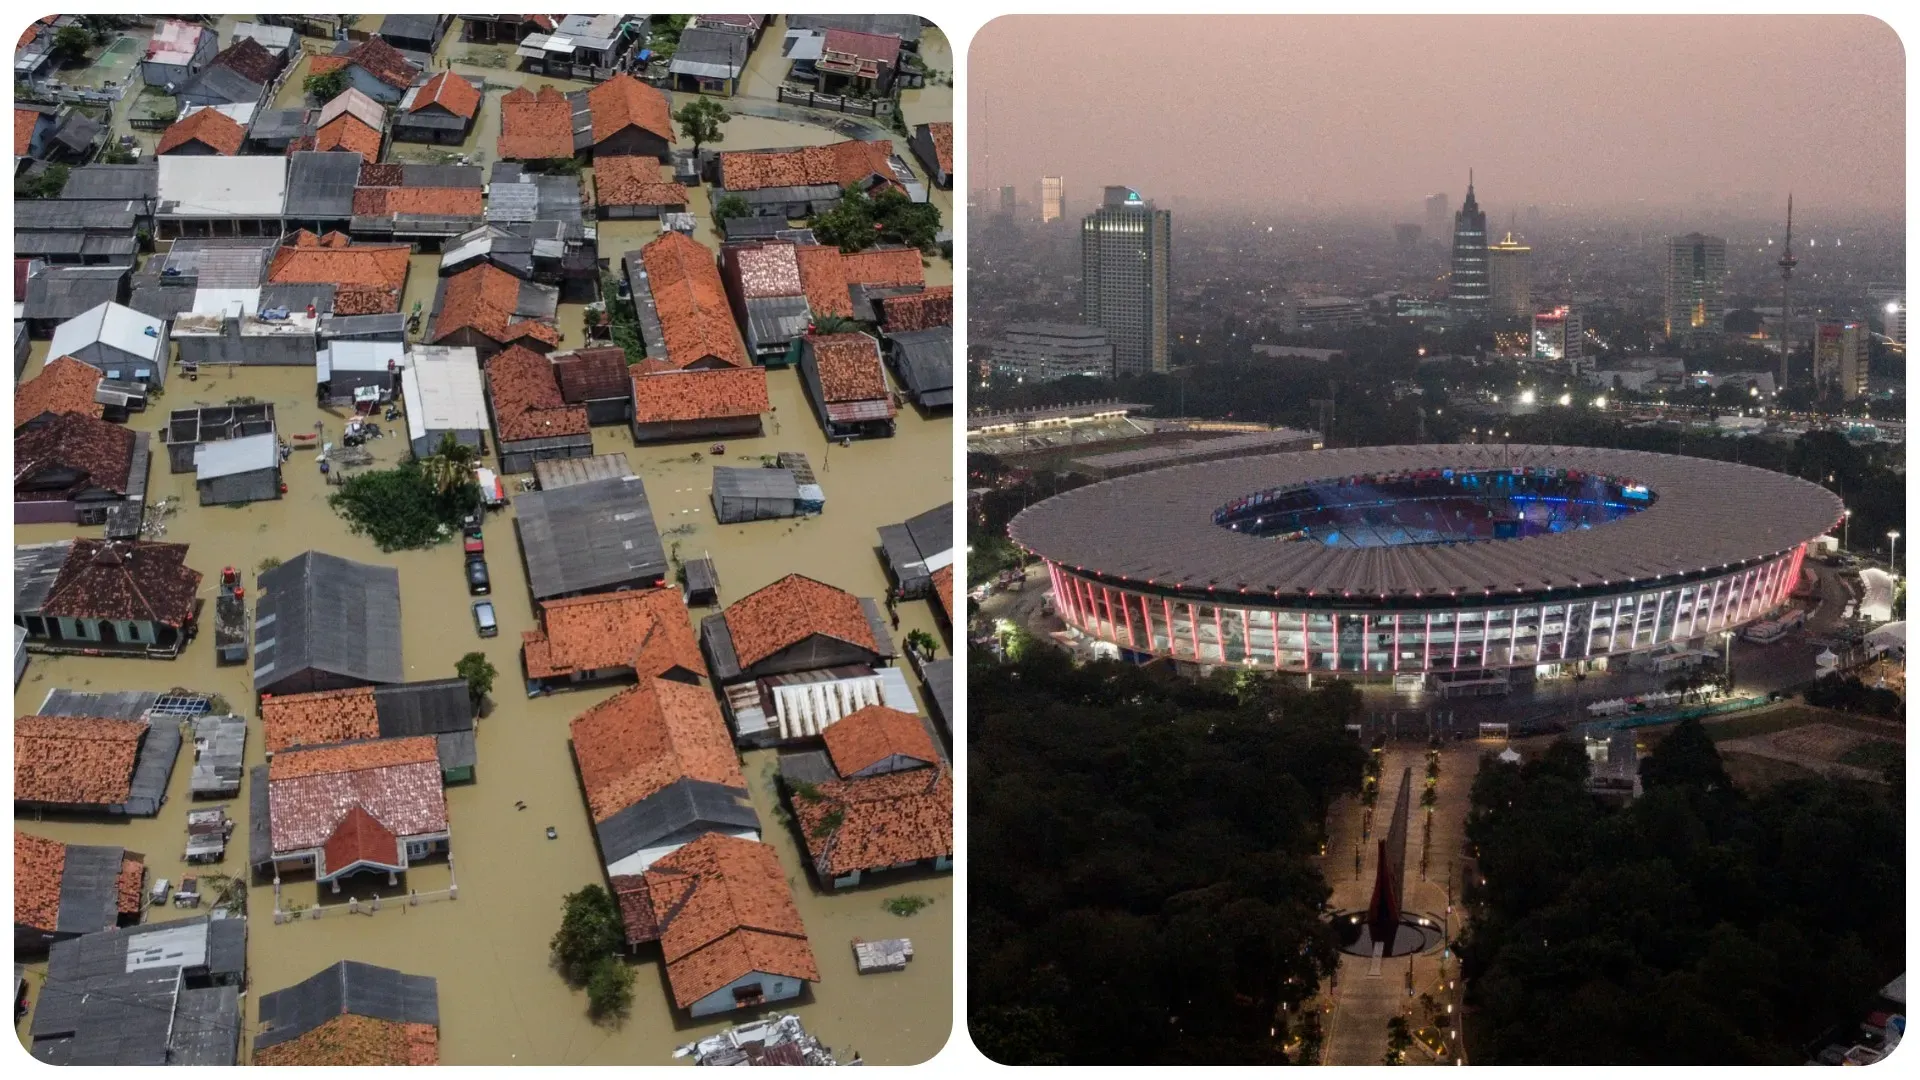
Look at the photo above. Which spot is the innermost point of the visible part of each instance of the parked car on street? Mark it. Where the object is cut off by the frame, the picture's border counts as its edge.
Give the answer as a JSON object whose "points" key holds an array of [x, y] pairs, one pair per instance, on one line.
{"points": [[483, 619], [472, 541], [478, 583]]}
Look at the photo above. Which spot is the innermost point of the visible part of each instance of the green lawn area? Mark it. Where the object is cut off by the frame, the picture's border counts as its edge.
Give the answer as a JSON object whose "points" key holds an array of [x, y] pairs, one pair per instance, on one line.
{"points": [[1874, 754], [1745, 725]]}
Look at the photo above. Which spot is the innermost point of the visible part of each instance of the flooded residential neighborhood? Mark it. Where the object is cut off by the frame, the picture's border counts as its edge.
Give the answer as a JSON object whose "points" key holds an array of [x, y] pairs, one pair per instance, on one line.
{"points": [[517, 834]]}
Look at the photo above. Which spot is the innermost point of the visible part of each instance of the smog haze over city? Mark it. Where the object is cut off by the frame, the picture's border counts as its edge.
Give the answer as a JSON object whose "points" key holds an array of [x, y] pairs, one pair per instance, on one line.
{"points": [[1333, 114]]}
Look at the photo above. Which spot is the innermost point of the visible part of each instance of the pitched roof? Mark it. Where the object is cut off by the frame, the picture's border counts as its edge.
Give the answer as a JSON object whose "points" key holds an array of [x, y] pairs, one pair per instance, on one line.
{"points": [[24, 121], [700, 395], [121, 579], [43, 891], [380, 60], [943, 589], [311, 790], [485, 298], [849, 366], [449, 91], [871, 735], [879, 48], [918, 311], [940, 133], [210, 127], [724, 911], [64, 385], [823, 276], [526, 394], [535, 125], [691, 302], [250, 59], [317, 719], [624, 101], [766, 269], [642, 739], [431, 201], [634, 180], [882, 820], [884, 267], [74, 760], [840, 163], [351, 1014], [645, 629], [591, 374], [357, 1040], [320, 612], [299, 762], [791, 610], [100, 453], [368, 278], [359, 838]]}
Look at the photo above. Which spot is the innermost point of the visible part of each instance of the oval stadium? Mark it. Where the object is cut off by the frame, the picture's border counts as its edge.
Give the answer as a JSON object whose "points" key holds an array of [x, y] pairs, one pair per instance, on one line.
{"points": [[1455, 562]]}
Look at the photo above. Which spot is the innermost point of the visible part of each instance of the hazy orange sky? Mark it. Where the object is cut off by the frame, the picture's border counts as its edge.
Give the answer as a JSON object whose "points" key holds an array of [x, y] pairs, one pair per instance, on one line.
{"points": [[1378, 111]]}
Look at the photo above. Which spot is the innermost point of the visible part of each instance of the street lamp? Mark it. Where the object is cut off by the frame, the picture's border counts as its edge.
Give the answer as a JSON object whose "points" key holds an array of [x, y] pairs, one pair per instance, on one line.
{"points": [[1846, 518], [1893, 551]]}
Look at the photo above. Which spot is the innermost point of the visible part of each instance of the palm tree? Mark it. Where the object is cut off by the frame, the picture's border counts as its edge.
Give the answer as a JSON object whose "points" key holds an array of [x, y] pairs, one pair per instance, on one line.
{"points": [[451, 466], [834, 324], [229, 893]]}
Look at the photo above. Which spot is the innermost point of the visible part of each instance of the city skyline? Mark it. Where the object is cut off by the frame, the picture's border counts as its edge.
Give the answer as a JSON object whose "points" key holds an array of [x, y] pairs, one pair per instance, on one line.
{"points": [[1833, 131]]}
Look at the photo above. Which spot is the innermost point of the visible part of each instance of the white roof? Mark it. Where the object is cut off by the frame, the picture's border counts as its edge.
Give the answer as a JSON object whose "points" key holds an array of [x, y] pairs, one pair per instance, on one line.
{"points": [[1892, 635], [228, 303], [275, 38], [112, 324], [174, 42], [366, 355], [364, 108], [241, 114], [230, 457], [444, 390], [805, 44], [220, 186]]}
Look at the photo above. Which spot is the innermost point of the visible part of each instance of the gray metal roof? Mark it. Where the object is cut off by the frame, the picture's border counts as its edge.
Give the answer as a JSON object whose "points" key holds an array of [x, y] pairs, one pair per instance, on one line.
{"points": [[320, 183], [713, 54], [89, 889], [431, 119], [737, 483], [412, 27], [231, 457], [222, 85], [331, 614], [77, 131], [679, 806], [589, 536], [66, 292], [924, 359], [337, 327], [753, 226], [110, 705], [348, 987], [938, 689], [932, 530], [555, 473], [35, 566], [221, 748], [259, 818], [458, 750], [119, 998], [454, 176], [723, 663], [279, 125], [120, 182], [772, 319], [423, 708], [1158, 526]]}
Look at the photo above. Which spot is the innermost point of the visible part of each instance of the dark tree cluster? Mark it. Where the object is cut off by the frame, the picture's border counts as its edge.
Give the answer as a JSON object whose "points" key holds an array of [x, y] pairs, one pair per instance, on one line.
{"points": [[1145, 887], [1848, 694], [1696, 926]]}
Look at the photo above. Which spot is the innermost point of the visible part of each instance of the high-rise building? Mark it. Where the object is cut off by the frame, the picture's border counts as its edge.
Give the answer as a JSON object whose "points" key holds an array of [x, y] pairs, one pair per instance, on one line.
{"points": [[1510, 279], [1437, 215], [1840, 357], [1559, 336], [1696, 282], [1406, 237], [1893, 315], [1467, 288], [1042, 352], [1053, 198], [1009, 202], [1125, 265]]}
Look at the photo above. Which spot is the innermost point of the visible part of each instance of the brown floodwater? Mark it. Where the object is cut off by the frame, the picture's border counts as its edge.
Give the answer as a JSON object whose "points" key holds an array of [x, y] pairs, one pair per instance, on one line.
{"points": [[499, 1000]]}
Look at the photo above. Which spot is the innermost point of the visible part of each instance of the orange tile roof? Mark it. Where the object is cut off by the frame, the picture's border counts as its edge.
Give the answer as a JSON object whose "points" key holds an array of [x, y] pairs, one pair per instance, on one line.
{"points": [[842, 163], [82, 761], [353, 757], [484, 298], [440, 201], [591, 374], [700, 395], [823, 275], [359, 838], [850, 368], [351, 1039], [871, 735], [918, 311], [768, 268], [329, 716], [691, 302], [449, 91], [535, 125], [724, 911], [131, 885], [24, 121], [368, 279], [210, 127], [526, 394], [645, 629], [791, 610], [634, 180], [39, 865], [65, 385], [882, 820], [349, 132], [380, 60], [322, 65], [884, 267], [941, 135], [624, 101], [943, 590], [644, 739]]}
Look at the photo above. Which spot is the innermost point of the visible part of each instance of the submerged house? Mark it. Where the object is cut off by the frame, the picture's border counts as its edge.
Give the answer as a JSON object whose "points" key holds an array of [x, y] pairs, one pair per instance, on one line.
{"points": [[933, 145], [632, 186], [92, 765], [367, 279], [238, 471], [365, 807], [425, 204], [637, 633], [596, 380], [189, 429], [351, 1014], [352, 122], [440, 708], [238, 75], [922, 361], [658, 771], [847, 384], [164, 993], [176, 52], [489, 310], [446, 395], [440, 110], [916, 549], [373, 67], [590, 538], [803, 181], [126, 345], [623, 116], [729, 932], [880, 798], [794, 624], [763, 280], [106, 597], [682, 304], [322, 622], [71, 467], [535, 125], [699, 404], [531, 420], [61, 891], [203, 132]]}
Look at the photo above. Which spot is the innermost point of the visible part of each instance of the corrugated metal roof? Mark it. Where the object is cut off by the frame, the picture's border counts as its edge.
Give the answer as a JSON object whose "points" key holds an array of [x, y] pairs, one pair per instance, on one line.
{"points": [[444, 389], [115, 325], [588, 537], [681, 805], [329, 614], [347, 988], [565, 472], [35, 566], [231, 457], [735, 483]]}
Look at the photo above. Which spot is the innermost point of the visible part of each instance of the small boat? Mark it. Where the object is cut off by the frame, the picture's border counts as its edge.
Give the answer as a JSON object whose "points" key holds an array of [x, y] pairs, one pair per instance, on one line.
{"points": [[718, 449], [552, 833]]}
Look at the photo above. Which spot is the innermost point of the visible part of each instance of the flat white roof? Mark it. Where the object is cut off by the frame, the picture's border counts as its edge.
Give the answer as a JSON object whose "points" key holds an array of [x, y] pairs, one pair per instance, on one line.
{"points": [[112, 324], [241, 114], [366, 355], [230, 457], [444, 390], [220, 186]]}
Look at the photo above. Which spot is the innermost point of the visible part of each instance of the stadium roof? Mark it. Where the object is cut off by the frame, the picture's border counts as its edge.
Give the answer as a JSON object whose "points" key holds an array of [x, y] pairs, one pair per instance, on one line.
{"points": [[1156, 528]]}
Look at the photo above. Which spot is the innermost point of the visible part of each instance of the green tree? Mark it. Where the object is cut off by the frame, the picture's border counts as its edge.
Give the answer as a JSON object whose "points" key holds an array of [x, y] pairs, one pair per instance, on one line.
{"points": [[450, 469], [731, 206], [833, 324], [72, 42], [479, 673], [402, 508], [609, 988], [1685, 758], [47, 184], [327, 86], [590, 931], [229, 893], [702, 121], [1399, 1040], [921, 642]]}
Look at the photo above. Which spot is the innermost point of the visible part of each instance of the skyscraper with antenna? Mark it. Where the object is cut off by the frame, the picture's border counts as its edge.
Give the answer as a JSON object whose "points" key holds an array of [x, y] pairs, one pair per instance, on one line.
{"points": [[1787, 263]]}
